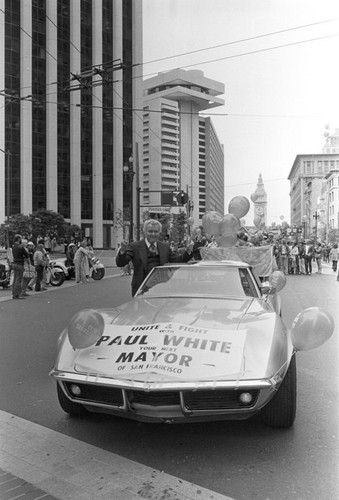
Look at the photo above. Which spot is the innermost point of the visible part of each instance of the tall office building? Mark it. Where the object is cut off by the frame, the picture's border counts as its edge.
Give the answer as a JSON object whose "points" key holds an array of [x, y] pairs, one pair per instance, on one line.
{"points": [[67, 92], [181, 150]]}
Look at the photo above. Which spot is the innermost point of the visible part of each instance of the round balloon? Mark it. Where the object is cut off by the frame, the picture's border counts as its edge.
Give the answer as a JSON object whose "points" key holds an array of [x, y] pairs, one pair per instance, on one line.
{"points": [[228, 241], [229, 225], [211, 223], [239, 206], [85, 328], [311, 328], [190, 221], [254, 197], [278, 280]]}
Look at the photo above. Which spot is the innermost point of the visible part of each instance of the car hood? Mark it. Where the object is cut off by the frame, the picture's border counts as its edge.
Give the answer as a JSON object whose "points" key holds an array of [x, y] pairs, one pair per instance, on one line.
{"points": [[160, 340]]}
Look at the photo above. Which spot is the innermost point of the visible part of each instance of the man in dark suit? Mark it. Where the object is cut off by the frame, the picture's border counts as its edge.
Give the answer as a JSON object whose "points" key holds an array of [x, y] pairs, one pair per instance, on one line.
{"points": [[148, 253]]}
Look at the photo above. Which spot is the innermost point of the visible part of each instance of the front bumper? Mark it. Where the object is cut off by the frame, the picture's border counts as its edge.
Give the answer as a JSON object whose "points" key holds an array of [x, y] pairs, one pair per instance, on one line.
{"points": [[170, 402]]}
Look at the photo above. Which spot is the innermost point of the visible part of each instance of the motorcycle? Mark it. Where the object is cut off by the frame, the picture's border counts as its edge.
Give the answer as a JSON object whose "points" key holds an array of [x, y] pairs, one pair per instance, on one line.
{"points": [[54, 275], [96, 269], [5, 274]]}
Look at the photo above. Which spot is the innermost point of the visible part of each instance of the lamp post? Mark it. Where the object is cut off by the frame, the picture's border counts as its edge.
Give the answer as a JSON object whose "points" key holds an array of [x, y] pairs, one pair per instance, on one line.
{"points": [[7, 170], [129, 173], [316, 217], [304, 224]]}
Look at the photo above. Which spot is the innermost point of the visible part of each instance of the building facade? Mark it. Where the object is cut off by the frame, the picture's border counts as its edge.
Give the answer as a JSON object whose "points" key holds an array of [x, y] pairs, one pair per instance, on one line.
{"points": [[181, 151], [67, 124], [312, 186]]}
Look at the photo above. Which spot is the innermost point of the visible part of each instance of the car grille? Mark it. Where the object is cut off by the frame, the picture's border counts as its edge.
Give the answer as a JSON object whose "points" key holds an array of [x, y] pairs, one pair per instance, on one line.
{"points": [[158, 398], [97, 394], [218, 399]]}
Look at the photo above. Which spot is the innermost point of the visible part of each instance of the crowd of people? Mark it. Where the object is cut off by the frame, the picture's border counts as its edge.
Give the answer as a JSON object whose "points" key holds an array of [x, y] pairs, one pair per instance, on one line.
{"points": [[30, 264]]}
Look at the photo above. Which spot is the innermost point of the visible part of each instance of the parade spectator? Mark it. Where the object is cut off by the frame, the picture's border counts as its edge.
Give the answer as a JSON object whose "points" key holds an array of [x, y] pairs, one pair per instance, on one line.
{"points": [[334, 256], [283, 257], [318, 252], [70, 255], [19, 256], [148, 253], [302, 269], [308, 256], [29, 269], [294, 256], [39, 264], [80, 262]]}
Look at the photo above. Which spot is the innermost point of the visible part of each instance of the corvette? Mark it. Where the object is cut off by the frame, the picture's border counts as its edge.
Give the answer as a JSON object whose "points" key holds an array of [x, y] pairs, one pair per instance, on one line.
{"points": [[198, 342]]}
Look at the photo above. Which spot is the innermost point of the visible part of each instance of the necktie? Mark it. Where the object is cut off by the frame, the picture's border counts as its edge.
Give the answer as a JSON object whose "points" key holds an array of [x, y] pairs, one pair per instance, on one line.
{"points": [[152, 248]]}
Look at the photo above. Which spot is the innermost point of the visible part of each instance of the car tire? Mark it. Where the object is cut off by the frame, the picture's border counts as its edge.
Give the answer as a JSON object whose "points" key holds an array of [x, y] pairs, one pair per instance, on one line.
{"points": [[281, 410], [73, 409]]}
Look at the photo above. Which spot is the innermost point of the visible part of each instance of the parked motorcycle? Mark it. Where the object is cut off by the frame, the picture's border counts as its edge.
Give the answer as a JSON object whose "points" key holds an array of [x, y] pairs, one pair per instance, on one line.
{"points": [[5, 274], [96, 270], [54, 275]]}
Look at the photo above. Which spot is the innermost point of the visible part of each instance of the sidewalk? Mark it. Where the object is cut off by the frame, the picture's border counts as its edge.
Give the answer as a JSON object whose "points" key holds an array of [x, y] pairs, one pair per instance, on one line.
{"points": [[39, 463]]}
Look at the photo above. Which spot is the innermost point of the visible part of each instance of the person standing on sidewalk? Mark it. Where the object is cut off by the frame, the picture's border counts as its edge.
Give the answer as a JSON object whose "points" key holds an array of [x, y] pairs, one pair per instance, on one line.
{"points": [[39, 264], [19, 256], [80, 262], [334, 256]]}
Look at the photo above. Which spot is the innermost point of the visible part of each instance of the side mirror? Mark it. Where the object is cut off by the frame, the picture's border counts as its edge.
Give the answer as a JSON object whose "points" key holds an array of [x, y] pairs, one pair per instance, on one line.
{"points": [[311, 328]]}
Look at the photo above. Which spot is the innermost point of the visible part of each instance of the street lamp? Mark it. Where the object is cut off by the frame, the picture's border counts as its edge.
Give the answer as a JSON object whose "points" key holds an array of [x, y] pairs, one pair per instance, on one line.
{"points": [[129, 173], [316, 217], [7, 171], [304, 223]]}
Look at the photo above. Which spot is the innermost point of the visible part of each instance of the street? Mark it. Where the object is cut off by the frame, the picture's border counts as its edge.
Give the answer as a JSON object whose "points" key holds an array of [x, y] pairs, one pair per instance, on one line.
{"points": [[243, 460]]}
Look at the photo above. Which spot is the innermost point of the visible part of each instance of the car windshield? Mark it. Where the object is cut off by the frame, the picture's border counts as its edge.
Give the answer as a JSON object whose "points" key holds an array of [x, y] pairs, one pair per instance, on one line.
{"points": [[225, 281]]}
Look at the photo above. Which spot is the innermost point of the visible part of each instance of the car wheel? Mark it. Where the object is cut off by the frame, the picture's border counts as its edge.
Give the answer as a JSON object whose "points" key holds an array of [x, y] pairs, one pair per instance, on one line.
{"points": [[98, 274], [281, 410], [73, 409]]}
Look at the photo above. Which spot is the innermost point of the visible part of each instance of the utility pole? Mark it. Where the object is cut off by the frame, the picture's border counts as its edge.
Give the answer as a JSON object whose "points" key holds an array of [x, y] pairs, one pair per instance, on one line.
{"points": [[8, 190]]}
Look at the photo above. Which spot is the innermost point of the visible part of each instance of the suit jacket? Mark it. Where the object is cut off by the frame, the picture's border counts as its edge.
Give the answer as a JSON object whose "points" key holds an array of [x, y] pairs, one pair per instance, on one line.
{"points": [[137, 253]]}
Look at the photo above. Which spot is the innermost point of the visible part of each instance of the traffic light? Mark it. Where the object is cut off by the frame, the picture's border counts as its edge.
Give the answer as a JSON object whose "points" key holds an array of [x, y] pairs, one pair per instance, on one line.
{"points": [[174, 198], [181, 198]]}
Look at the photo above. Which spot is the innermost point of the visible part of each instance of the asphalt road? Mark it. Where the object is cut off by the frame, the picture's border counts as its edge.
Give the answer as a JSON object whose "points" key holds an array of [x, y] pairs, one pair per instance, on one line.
{"points": [[241, 459]]}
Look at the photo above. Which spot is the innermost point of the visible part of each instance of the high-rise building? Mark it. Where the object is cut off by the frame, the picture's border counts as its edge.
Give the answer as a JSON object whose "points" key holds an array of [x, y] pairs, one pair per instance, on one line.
{"points": [[70, 77], [181, 150]]}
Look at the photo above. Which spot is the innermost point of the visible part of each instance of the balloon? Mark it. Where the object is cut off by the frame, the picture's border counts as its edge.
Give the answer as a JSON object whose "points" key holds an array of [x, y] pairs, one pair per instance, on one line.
{"points": [[190, 221], [277, 280], [85, 328], [239, 206], [282, 217], [311, 328], [254, 197], [228, 241], [211, 223], [229, 225]]}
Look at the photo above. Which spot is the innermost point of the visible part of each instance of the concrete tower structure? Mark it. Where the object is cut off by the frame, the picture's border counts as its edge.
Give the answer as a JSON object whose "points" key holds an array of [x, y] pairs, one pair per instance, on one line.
{"points": [[181, 149], [259, 198], [67, 124]]}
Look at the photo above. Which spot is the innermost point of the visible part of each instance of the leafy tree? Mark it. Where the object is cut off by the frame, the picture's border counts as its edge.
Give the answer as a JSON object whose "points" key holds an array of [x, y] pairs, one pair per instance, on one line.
{"points": [[42, 223]]}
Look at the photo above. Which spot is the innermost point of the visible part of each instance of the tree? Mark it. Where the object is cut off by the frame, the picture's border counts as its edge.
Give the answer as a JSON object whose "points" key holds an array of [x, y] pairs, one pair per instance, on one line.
{"points": [[42, 223]]}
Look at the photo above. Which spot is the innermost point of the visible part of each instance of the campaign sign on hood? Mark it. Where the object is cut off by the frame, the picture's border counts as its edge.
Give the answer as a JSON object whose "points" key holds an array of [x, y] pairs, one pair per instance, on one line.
{"points": [[171, 349]]}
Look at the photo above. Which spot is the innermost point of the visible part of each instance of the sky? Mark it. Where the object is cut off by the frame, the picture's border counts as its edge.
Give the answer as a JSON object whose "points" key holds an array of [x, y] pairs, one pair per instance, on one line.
{"points": [[281, 89]]}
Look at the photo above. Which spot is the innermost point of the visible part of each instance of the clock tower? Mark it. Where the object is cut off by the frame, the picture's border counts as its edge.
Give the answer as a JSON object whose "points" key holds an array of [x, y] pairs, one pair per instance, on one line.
{"points": [[259, 198]]}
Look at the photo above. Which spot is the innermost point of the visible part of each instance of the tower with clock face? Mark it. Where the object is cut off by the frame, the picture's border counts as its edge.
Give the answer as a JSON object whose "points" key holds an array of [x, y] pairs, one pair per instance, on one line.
{"points": [[259, 198]]}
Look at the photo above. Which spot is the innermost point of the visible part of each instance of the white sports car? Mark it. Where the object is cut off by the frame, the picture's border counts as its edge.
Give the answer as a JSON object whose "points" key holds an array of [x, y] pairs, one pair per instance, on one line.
{"points": [[199, 342]]}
